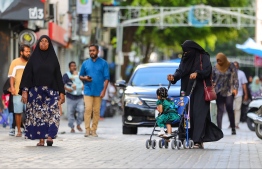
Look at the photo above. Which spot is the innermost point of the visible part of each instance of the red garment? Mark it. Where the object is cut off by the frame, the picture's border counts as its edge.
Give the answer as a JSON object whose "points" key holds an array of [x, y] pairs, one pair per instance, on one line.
{"points": [[5, 98]]}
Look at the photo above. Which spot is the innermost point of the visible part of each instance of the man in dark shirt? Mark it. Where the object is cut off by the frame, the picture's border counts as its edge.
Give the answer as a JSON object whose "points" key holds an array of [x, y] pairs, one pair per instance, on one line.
{"points": [[74, 97]]}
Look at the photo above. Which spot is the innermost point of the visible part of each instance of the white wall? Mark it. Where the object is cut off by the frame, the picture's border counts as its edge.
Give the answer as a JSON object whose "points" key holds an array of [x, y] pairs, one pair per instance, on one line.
{"points": [[62, 9]]}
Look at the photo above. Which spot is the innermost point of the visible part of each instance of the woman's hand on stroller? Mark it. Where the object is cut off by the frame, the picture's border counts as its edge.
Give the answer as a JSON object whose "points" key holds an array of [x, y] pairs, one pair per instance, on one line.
{"points": [[170, 77], [193, 75]]}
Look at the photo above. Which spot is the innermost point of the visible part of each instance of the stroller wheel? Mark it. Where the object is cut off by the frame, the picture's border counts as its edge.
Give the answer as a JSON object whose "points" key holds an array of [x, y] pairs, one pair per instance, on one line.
{"points": [[166, 144], [173, 144], [185, 144], [191, 144], [148, 143], [178, 144], [153, 144], [161, 143]]}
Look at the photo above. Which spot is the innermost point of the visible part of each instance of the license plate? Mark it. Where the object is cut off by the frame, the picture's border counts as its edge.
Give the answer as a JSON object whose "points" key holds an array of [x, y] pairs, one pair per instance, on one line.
{"points": [[156, 113]]}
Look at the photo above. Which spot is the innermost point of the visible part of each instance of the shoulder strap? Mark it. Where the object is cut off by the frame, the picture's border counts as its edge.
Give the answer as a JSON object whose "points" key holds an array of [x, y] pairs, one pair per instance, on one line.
{"points": [[202, 69]]}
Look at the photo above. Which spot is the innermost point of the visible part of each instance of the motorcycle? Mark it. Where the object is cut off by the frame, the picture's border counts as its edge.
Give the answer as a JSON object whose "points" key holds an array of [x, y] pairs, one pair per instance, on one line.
{"points": [[257, 120], [252, 109]]}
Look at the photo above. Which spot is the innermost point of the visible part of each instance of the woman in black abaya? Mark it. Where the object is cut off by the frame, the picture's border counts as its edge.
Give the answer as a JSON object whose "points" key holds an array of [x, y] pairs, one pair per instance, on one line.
{"points": [[42, 91], [201, 129]]}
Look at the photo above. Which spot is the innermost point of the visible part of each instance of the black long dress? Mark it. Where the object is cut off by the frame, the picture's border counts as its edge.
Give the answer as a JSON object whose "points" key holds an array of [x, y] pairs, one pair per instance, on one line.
{"points": [[201, 129]]}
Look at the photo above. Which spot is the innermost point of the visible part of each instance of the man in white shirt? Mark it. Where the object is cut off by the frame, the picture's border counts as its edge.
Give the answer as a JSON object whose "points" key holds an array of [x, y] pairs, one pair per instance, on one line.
{"points": [[242, 89]]}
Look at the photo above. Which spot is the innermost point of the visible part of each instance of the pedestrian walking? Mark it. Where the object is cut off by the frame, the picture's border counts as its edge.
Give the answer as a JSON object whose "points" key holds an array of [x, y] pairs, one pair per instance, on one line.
{"points": [[95, 75], [15, 73], [226, 84], [201, 128], [42, 89], [8, 109], [109, 95], [74, 97], [255, 87], [242, 91], [8, 99]]}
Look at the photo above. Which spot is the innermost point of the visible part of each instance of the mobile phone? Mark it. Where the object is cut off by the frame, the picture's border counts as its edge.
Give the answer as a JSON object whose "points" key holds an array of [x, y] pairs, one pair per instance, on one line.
{"points": [[89, 77]]}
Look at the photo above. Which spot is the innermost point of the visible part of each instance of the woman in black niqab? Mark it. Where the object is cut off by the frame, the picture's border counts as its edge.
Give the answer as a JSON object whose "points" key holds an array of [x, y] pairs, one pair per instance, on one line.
{"points": [[43, 92], [201, 129]]}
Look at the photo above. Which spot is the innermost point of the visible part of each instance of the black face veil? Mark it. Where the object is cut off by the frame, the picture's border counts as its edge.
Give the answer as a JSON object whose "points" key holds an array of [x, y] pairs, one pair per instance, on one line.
{"points": [[191, 50]]}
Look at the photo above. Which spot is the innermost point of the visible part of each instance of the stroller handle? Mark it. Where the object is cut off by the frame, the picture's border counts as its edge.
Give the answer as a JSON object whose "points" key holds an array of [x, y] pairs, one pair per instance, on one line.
{"points": [[194, 85]]}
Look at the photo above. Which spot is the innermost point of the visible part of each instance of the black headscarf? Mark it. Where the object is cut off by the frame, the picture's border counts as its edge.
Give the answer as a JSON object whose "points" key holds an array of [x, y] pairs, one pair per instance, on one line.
{"points": [[43, 69], [191, 51]]}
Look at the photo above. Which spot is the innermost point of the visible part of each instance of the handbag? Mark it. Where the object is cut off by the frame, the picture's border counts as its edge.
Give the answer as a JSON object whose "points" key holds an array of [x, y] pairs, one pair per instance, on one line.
{"points": [[209, 91]]}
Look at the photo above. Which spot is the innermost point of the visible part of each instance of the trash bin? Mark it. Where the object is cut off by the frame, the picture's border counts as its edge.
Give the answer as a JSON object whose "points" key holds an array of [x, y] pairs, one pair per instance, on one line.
{"points": [[213, 111]]}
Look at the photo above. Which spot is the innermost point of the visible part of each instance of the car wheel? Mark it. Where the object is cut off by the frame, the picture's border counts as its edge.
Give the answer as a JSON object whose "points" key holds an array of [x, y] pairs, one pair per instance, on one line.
{"points": [[129, 130]]}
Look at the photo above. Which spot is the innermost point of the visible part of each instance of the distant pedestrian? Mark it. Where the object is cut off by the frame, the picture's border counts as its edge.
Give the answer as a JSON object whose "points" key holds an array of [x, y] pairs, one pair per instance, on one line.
{"points": [[8, 108], [15, 73], [226, 84], [74, 97], [8, 100], [43, 91], [242, 91], [109, 95], [255, 87], [95, 75]]}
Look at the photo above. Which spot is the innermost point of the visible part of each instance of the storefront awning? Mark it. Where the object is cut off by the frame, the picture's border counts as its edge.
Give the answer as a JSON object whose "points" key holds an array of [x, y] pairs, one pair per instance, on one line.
{"points": [[22, 9]]}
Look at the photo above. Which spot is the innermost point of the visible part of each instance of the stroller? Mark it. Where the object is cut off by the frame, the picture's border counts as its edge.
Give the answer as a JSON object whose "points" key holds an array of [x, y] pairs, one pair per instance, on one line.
{"points": [[183, 104]]}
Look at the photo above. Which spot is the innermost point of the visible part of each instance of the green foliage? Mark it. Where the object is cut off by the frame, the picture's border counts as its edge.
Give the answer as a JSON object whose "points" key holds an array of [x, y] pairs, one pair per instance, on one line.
{"points": [[173, 37]]}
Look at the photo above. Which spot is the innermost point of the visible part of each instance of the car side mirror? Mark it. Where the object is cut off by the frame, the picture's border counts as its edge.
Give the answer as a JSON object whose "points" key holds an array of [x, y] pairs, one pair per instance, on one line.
{"points": [[120, 83]]}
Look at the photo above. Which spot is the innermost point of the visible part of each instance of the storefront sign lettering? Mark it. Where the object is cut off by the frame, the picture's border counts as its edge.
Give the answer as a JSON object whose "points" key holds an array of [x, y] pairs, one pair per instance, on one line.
{"points": [[36, 13]]}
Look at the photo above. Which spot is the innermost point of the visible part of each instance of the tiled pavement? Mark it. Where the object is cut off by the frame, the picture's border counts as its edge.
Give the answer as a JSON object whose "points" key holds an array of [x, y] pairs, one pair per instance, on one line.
{"points": [[114, 150]]}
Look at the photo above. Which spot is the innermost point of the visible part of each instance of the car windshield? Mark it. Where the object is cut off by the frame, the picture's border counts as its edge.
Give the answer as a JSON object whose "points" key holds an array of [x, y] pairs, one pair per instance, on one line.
{"points": [[153, 76]]}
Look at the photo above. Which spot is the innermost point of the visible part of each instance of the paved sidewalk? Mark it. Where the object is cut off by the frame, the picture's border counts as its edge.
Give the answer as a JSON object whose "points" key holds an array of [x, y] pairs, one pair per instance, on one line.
{"points": [[114, 150]]}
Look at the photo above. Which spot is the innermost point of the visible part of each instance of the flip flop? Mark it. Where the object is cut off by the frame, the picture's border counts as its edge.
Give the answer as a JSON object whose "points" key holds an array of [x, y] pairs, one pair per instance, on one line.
{"points": [[19, 135], [40, 144], [198, 146]]}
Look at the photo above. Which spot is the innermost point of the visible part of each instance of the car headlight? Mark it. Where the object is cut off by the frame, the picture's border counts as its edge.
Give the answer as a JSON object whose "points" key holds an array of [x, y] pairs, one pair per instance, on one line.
{"points": [[133, 100]]}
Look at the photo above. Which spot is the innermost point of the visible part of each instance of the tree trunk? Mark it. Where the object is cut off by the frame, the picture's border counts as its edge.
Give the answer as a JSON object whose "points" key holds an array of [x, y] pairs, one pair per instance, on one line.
{"points": [[128, 38], [148, 51]]}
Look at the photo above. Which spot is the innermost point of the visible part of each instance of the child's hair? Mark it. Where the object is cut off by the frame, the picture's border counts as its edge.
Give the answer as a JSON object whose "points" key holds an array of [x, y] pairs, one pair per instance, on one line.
{"points": [[162, 92]]}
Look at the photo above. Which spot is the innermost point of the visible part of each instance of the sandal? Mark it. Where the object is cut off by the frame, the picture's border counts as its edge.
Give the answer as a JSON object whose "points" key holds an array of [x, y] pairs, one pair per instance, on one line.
{"points": [[49, 141], [19, 135], [41, 143], [198, 146]]}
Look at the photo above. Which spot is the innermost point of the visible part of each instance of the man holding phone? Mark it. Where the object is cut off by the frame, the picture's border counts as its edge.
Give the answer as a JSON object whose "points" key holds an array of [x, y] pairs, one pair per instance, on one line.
{"points": [[95, 75]]}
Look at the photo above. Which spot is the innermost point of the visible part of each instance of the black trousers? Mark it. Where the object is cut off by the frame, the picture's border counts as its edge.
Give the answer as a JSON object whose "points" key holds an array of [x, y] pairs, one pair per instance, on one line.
{"points": [[223, 102]]}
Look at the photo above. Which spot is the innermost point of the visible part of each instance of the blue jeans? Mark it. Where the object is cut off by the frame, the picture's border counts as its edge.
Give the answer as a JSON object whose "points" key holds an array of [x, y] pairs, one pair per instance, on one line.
{"points": [[103, 108], [72, 107], [10, 118], [4, 115]]}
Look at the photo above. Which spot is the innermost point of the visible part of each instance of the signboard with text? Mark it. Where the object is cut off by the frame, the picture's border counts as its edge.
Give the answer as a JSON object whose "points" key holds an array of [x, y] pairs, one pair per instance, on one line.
{"points": [[258, 61], [22, 10]]}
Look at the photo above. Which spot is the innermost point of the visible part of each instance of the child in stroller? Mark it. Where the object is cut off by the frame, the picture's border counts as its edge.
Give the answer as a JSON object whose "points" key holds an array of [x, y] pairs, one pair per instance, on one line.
{"points": [[177, 108], [167, 112]]}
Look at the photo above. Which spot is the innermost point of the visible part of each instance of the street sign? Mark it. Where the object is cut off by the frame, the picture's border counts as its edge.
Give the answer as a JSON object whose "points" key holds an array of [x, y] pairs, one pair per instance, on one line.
{"points": [[258, 61], [110, 19], [27, 37]]}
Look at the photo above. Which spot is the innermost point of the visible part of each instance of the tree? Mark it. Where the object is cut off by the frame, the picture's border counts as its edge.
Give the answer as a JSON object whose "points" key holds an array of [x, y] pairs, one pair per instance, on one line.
{"points": [[150, 38]]}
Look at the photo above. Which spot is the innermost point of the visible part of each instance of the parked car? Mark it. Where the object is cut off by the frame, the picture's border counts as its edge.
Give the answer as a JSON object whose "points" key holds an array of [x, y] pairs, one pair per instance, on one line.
{"points": [[139, 96]]}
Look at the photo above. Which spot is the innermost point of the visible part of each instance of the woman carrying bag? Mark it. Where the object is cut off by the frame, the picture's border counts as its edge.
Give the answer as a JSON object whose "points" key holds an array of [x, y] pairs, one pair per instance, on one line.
{"points": [[195, 65]]}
